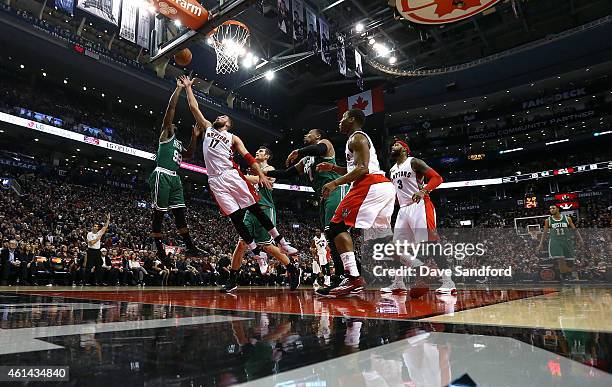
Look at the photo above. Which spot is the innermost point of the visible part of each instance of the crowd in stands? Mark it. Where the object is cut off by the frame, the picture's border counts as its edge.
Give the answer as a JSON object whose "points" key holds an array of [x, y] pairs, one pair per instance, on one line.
{"points": [[50, 222], [65, 34]]}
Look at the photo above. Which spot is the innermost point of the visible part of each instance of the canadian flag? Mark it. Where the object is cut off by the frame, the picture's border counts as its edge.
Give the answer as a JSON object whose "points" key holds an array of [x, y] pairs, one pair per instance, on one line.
{"points": [[370, 101]]}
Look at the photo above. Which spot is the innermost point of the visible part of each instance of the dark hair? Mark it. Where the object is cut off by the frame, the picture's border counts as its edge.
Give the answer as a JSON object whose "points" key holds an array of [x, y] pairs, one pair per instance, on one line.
{"points": [[320, 132], [267, 150], [357, 114]]}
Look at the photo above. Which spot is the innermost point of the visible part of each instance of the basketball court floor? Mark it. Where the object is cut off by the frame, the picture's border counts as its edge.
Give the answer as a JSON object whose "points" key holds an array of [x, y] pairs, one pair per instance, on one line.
{"points": [[274, 337]]}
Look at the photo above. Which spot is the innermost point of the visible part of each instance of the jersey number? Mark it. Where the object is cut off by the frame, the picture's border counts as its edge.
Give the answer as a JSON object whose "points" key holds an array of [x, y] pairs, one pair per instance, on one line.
{"points": [[399, 184], [213, 143], [560, 231], [177, 157]]}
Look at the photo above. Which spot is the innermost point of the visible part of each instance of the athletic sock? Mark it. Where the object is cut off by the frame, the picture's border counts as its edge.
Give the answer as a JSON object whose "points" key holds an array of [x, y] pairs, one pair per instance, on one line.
{"points": [[350, 265], [274, 233]]}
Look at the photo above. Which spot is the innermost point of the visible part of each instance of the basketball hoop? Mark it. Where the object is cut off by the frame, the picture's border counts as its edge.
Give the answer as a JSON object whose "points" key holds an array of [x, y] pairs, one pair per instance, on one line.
{"points": [[229, 41]]}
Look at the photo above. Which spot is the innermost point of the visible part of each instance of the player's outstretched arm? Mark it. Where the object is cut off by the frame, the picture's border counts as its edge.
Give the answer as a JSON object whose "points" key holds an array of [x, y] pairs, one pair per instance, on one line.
{"points": [[196, 131], [167, 127], [433, 178], [294, 171], [323, 148], [193, 103], [239, 146], [255, 179], [360, 147]]}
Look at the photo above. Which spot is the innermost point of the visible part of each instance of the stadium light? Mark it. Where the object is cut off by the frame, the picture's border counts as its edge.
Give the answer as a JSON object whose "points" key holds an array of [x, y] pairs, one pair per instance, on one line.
{"points": [[359, 27], [22, 66], [597, 134], [44, 74], [37, 140], [270, 75], [392, 60], [65, 81], [84, 88], [372, 41], [501, 152], [557, 142]]}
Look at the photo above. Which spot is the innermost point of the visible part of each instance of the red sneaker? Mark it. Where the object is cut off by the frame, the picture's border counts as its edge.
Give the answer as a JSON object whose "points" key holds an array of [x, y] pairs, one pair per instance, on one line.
{"points": [[350, 285]]}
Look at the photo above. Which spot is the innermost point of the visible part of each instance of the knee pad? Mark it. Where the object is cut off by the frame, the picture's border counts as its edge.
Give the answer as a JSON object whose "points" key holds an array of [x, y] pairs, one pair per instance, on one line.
{"points": [[336, 229]]}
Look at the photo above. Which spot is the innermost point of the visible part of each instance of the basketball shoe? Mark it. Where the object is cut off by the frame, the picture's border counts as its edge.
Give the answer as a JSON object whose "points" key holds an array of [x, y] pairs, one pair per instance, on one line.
{"points": [[447, 287]]}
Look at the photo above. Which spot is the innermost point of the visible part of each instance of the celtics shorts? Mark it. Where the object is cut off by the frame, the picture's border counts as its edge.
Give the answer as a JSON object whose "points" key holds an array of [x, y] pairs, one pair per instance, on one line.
{"points": [[166, 191], [327, 207], [561, 249], [258, 232]]}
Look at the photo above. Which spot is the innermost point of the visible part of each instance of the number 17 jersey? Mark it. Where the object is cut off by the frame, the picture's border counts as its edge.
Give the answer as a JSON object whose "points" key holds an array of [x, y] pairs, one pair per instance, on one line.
{"points": [[218, 152], [407, 182]]}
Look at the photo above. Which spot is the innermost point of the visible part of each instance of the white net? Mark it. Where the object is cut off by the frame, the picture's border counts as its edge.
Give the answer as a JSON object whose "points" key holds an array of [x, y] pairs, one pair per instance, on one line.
{"points": [[230, 41]]}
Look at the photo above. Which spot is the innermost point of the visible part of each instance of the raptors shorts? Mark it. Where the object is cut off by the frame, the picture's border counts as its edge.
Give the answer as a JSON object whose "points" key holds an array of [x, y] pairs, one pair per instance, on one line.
{"points": [[232, 191], [368, 204], [322, 258], [416, 223]]}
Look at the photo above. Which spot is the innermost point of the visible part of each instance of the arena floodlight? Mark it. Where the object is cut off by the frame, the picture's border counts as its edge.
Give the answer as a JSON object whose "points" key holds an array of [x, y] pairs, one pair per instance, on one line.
{"points": [[359, 27], [270, 75], [557, 142]]}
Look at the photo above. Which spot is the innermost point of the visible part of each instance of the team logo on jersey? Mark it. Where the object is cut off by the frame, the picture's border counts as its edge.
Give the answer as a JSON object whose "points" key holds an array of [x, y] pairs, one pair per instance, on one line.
{"points": [[441, 11]]}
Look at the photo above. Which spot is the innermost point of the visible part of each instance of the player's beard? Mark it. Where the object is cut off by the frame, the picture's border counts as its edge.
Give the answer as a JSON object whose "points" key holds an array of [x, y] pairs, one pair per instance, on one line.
{"points": [[218, 125], [394, 155]]}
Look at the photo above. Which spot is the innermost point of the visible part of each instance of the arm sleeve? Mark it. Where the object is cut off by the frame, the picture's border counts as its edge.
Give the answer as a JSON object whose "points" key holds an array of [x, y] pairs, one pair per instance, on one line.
{"points": [[434, 179], [313, 150], [283, 173]]}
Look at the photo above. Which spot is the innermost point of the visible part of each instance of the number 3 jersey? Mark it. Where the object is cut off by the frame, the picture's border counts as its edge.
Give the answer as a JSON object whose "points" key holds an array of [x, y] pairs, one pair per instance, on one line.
{"points": [[218, 152], [169, 154], [407, 182]]}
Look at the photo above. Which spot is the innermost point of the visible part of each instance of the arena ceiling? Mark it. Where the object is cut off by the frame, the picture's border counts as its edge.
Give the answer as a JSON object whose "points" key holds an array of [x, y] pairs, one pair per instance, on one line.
{"points": [[509, 24]]}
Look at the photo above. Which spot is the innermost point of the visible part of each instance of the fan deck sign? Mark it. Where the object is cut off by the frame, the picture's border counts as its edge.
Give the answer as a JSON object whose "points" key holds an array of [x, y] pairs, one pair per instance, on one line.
{"points": [[441, 11]]}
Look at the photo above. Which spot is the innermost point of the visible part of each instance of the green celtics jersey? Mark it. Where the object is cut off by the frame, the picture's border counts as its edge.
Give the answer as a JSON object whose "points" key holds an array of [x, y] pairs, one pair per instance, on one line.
{"points": [[559, 229], [170, 154], [265, 196], [319, 179]]}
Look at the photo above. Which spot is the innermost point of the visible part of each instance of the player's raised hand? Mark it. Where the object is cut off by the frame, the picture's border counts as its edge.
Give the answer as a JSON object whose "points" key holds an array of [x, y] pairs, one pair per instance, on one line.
{"points": [[196, 131], [179, 83], [291, 158], [265, 181], [186, 81], [324, 167]]}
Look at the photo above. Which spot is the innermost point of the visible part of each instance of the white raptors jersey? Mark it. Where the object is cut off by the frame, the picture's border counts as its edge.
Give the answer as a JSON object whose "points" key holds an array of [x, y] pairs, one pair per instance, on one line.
{"points": [[321, 245], [373, 165], [218, 153], [407, 182]]}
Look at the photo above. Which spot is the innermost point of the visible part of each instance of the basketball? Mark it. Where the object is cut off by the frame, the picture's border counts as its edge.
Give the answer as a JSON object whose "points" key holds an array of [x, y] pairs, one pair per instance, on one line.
{"points": [[183, 57]]}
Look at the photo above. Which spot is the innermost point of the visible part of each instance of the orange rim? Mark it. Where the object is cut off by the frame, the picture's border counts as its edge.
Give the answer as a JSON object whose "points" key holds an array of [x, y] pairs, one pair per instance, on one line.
{"points": [[230, 22]]}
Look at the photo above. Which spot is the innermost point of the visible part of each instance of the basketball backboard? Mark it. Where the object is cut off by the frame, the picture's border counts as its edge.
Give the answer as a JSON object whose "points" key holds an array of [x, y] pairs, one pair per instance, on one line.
{"points": [[167, 37]]}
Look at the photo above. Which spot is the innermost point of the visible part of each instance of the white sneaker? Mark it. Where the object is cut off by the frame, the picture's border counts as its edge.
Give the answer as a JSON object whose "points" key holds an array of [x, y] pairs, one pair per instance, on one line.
{"points": [[448, 287], [262, 260], [288, 249], [397, 286]]}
